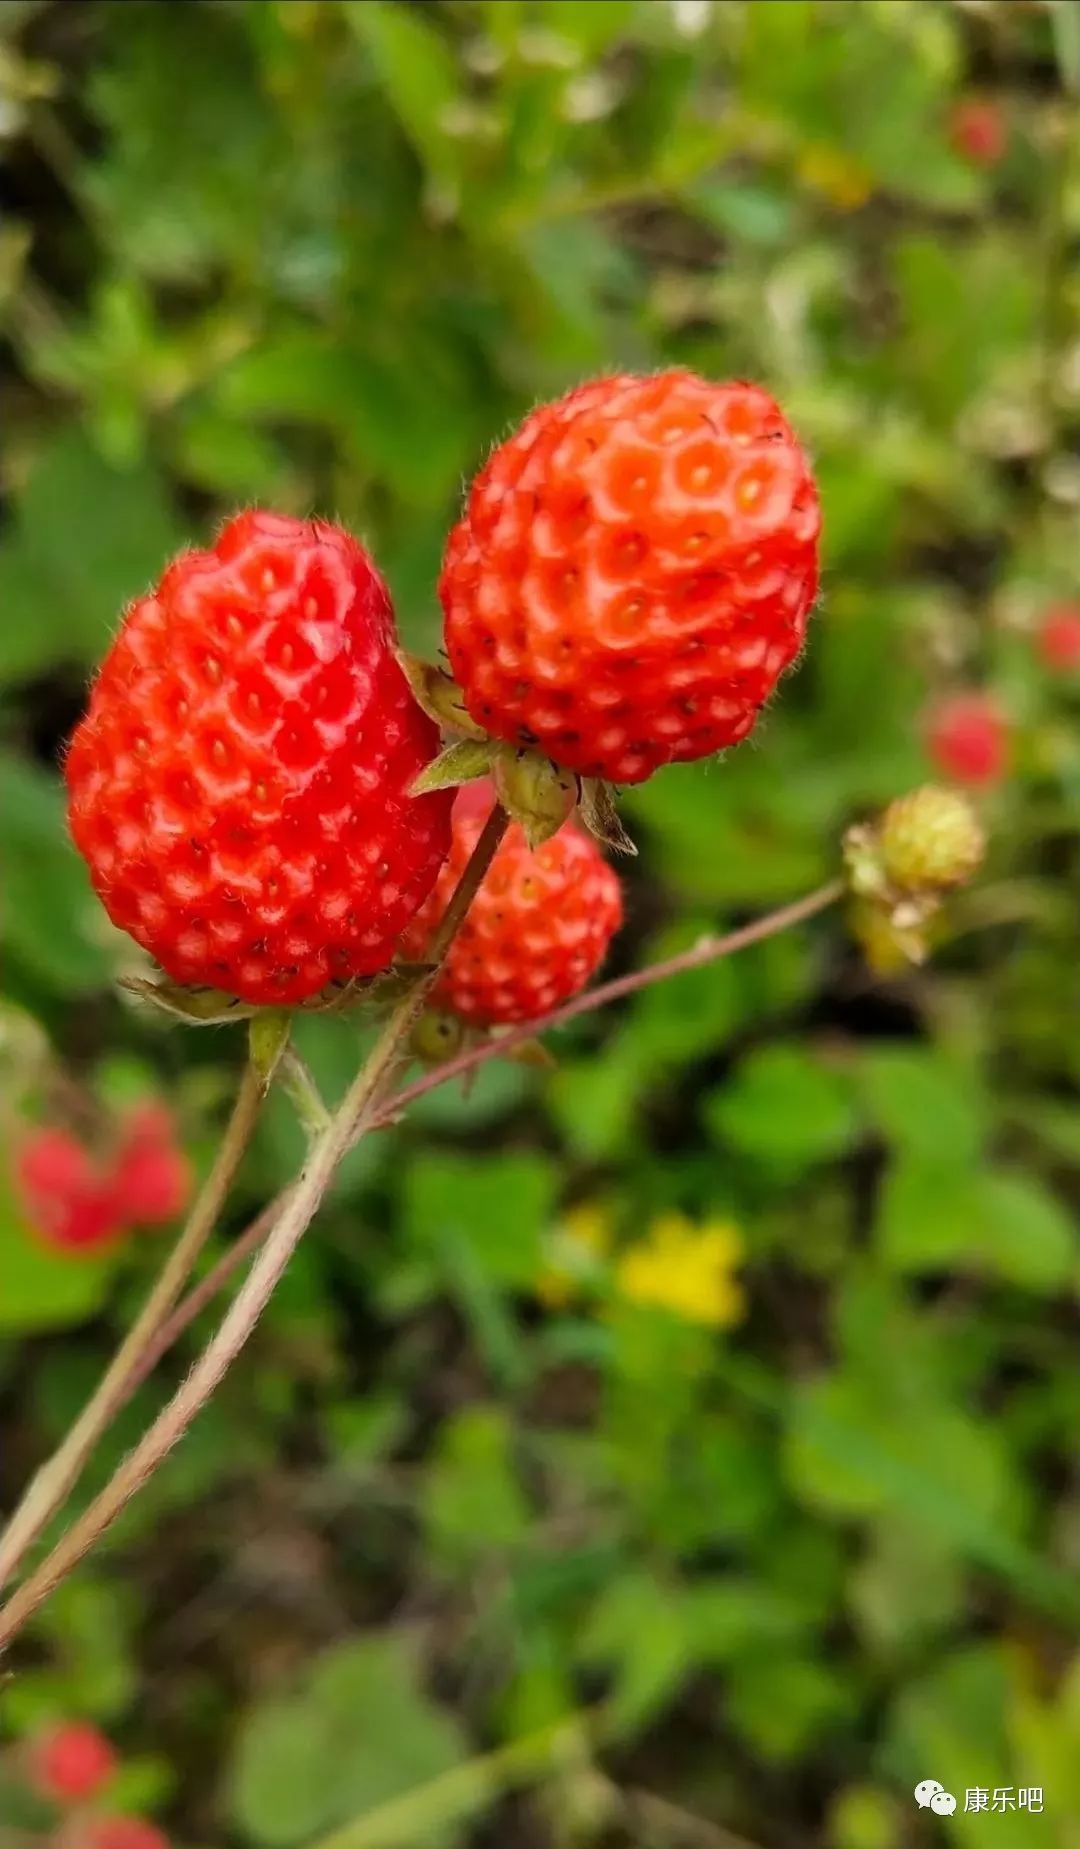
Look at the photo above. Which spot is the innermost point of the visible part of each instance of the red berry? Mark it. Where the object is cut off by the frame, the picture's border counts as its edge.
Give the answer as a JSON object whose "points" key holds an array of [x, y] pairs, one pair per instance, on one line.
{"points": [[538, 928], [71, 1762], [967, 737], [65, 1198], [633, 572], [1059, 638], [113, 1833], [239, 785], [151, 1175], [978, 130]]}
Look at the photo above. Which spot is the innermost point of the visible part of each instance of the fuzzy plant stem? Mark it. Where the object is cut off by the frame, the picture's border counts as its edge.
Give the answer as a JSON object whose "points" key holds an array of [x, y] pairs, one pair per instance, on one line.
{"points": [[50, 1487], [352, 1117], [707, 950]]}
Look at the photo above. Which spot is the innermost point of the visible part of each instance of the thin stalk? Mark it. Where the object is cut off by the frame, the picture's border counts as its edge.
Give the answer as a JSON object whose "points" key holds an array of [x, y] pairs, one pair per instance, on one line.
{"points": [[709, 950], [352, 1117], [50, 1487]]}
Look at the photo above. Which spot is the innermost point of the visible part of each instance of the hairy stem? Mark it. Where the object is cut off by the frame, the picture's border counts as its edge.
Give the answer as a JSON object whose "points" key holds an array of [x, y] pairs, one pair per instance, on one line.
{"points": [[352, 1117], [53, 1483], [709, 950]]}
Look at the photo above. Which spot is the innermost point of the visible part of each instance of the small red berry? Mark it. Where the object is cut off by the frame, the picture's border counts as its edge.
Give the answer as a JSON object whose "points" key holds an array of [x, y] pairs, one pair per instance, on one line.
{"points": [[151, 1174], [112, 1833], [978, 130], [71, 1762], [967, 737], [633, 572], [67, 1201], [1059, 638], [538, 928], [240, 783]]}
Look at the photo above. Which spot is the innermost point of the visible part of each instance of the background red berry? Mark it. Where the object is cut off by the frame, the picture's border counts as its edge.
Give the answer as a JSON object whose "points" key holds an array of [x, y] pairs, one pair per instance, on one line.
{"points": [[538, 928], [239, 785], [967, 738], [1059, 638], [978, 130], [151, 1174], [634, 569], [65, 1197], [71, 1762]]}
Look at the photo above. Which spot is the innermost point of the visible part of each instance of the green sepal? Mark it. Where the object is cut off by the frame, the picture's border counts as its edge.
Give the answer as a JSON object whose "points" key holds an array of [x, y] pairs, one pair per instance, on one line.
{"points": [[196, 1007], [531, 1053], [534, 792], [462, 762], [601, 817], [268, 1037], [300, 1088], [439, 695]]}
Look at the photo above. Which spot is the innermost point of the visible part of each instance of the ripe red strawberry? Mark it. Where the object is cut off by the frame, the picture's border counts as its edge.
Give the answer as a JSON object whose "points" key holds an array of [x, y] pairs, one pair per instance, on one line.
{"points": [[71, 1762], [67, 1200], [537, 930], [112, 1833], [978, 130], [151, 1174], [967, 737], [633, 572], [1059, 638], [239, 785]]}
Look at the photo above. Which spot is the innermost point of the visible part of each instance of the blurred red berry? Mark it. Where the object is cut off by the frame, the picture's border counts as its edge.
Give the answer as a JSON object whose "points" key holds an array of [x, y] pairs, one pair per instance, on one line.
{"points": [[1059, 638], [65, 1198], [151, 1174], [634, 570], [240, 784], [979, 130], [967, 738], [112, 1833], [538, 928], [71, 1762]]}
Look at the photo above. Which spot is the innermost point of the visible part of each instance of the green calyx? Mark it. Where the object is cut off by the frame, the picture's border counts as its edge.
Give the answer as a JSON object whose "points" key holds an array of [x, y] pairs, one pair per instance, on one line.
{"points": [[536, 792]]}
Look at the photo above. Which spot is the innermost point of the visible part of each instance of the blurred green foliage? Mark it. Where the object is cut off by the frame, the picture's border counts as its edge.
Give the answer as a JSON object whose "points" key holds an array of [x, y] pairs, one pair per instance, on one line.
{"points": [[320, 253]]}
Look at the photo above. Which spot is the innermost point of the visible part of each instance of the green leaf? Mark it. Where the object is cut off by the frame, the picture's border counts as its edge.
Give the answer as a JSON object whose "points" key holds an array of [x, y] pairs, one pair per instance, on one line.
{"points": [[415, 68], [473, 1503], [928, 1215], [496, 1208], [785, 1106], [358, 1733], [86, 539], [780, 1702], [1025, 1234], [639, 1628], [935, 1216], [923, 1105], [853, 1453], [51, 921]]}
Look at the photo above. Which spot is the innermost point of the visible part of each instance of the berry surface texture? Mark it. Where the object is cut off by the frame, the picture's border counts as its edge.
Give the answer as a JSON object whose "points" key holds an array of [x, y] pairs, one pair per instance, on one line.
{"points": [[633, 572], [239, 786], [536, 932]]}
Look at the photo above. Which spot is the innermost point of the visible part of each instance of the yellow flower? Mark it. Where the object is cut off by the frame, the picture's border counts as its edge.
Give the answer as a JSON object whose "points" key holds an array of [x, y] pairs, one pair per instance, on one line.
{"points": [[686, 1269], [580, 1241]]}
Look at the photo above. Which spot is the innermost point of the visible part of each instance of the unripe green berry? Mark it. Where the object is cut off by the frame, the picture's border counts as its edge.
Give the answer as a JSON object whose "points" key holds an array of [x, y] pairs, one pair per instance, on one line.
{"points": [[931, 840]]}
